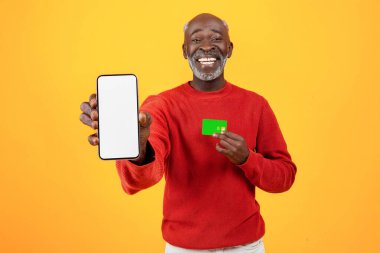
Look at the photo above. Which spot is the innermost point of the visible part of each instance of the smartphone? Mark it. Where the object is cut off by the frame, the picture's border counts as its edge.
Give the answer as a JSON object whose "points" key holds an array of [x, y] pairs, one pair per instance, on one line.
{"points": [[118, 128]]}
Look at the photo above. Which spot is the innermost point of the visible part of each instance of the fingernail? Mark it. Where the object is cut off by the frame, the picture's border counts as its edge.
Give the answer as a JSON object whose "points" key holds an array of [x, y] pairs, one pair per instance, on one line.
{"points": [[214, 135]]}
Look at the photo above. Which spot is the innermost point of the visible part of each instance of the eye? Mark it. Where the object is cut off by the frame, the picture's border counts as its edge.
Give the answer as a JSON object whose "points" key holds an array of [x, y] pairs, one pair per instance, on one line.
{"points": [[217, 39], [195, 40]]}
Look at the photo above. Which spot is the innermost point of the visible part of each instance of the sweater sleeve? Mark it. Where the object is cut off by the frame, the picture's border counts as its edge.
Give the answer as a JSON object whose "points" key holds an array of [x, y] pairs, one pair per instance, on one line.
{"points": [[134, 177], [270, 168]]}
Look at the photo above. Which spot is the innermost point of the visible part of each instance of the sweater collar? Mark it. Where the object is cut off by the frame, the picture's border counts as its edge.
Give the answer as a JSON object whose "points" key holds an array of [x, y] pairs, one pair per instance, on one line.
{"points": [[207, 94]]}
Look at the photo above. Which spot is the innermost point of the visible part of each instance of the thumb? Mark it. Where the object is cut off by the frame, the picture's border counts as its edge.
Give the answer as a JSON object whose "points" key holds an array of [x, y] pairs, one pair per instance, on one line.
{"points": [[145, 119]]}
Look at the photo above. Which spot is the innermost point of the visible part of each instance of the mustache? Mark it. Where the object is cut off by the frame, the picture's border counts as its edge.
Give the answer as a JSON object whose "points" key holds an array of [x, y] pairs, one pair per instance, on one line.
{"points": [[214, 53]]}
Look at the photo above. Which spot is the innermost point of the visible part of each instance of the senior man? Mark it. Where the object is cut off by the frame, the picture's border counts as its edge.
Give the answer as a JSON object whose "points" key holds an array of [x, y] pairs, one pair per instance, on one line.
{"points": [[209, 199]]}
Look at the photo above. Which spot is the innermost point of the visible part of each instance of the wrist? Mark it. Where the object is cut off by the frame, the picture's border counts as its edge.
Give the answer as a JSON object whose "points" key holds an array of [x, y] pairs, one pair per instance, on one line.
{"points": [[146, 155]]}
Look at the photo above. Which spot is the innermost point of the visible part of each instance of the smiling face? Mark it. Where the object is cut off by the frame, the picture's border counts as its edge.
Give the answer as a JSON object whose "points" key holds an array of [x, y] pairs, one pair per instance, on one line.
{"points": [[207, 46]]}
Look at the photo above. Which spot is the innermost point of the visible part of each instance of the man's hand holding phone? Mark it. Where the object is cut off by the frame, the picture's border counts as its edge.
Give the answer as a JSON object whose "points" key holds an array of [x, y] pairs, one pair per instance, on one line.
{"points": [[90, 117]]}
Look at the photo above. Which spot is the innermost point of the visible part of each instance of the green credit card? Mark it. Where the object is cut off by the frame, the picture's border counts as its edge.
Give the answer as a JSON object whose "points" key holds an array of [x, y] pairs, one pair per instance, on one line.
{"points": [[211, 126]]}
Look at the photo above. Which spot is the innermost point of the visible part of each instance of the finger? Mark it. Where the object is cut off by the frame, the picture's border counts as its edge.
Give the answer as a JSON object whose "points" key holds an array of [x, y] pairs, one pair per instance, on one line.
{"points": [[233, 136], [95, 124], [225, 138], [86, 108], [85, 119], [94, 115], [92, 101], [145, 119], [93, 95], [93, 139], [228, 146], [222, 150]]}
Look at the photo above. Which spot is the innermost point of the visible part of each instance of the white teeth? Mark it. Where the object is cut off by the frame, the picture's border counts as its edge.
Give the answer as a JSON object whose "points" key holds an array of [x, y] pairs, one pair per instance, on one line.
{"points": [[207, 62], [201, 60]]}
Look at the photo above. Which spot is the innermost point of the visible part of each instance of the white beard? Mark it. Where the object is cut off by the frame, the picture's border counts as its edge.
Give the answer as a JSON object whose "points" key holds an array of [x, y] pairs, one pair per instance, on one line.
{"points": [[207, 76]]}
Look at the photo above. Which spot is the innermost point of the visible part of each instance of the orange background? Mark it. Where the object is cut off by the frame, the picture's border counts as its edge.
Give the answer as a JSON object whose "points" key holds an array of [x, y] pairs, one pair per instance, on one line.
{"points": [[317, 62]]}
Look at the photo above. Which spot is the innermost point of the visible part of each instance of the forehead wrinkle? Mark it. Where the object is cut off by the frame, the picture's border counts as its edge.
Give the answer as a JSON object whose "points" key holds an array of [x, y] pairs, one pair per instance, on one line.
{"points": [[186, 26], [200, 30], [210, 27], [196, 30], [216, 31]]}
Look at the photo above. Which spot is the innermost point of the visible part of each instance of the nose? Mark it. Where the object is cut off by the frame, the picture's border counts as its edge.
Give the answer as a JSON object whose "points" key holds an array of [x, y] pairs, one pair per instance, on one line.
{"points": [[207, 46]]}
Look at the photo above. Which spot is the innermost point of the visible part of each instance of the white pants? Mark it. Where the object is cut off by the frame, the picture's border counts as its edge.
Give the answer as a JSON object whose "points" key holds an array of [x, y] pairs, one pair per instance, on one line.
{"points": [[254, 247]]}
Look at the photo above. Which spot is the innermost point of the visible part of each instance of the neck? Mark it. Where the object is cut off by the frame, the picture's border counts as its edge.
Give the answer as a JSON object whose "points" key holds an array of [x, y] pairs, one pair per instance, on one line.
{"points": [[212, 85]]}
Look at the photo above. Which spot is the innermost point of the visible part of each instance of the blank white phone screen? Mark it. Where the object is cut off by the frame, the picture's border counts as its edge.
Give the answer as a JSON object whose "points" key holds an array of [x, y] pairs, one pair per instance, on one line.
{"points": [[118, 130]]}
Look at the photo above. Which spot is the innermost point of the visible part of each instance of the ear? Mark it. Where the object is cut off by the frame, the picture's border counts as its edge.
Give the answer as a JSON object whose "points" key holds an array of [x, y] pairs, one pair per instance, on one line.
{"points": [[184, 49], [230, 49]]}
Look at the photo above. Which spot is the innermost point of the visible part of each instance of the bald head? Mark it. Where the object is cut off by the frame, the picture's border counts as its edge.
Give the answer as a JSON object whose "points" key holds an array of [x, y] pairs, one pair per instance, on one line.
{"points": [[203, 16]]}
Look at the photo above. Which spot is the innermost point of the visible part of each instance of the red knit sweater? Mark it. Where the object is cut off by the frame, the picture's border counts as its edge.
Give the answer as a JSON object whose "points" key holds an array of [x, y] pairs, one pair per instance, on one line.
{"points": [[209, 202]]}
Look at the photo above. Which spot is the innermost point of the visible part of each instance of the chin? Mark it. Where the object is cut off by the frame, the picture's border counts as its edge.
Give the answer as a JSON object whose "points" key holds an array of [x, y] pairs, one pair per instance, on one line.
{"points": [[207, 76]]}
